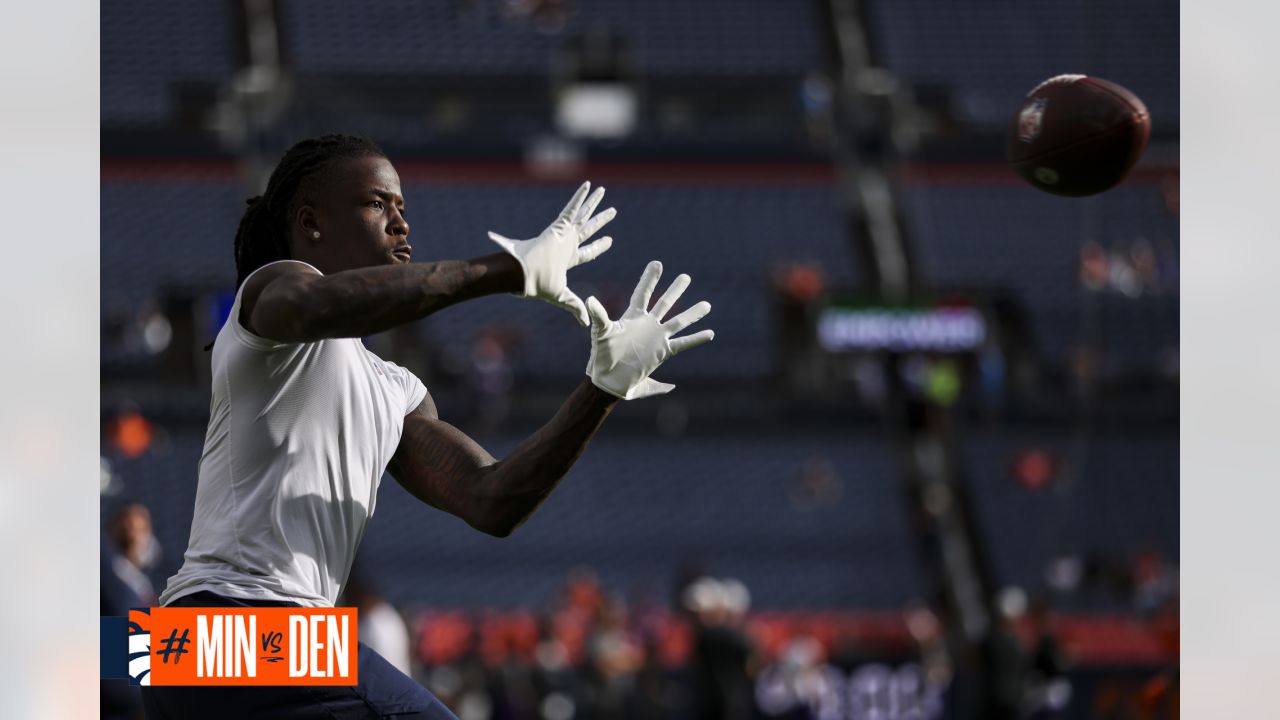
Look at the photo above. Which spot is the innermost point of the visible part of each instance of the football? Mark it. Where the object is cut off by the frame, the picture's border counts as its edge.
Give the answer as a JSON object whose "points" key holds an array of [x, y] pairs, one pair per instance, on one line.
{"points": [[1076, 135]]}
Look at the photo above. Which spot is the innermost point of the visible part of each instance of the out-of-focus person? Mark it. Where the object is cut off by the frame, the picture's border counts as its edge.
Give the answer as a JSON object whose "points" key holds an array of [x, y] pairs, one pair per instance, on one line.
{"points": [[1048, 687], [130, 552], [723, 656], [613, 657], [380, 625], [126, 553]]}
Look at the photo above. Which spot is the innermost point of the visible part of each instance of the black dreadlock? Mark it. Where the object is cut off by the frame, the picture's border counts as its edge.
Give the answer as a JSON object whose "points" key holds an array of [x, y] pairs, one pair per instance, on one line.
{"points": [[263, 235]]}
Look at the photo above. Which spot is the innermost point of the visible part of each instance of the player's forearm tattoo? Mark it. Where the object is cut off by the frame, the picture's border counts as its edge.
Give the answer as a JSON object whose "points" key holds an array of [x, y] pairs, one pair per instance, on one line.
{"points": [[445, 468], [367, 301]]}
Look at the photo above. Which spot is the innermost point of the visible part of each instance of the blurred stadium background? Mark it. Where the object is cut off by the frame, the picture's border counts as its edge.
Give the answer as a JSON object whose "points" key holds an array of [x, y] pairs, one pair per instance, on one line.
{"points": [[935, 439]]}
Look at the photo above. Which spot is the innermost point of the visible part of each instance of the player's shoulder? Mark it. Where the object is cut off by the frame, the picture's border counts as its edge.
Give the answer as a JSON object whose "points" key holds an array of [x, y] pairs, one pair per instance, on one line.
{"points": [[262, 278]]}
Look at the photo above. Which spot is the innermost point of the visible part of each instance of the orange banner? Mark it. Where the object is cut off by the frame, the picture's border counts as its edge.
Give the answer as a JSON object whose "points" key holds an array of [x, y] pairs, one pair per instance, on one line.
{"points": [[243, 646]]}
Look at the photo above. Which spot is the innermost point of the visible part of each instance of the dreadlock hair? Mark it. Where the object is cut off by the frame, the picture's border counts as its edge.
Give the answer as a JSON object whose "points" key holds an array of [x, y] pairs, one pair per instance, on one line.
{"points": [[263, 234]]}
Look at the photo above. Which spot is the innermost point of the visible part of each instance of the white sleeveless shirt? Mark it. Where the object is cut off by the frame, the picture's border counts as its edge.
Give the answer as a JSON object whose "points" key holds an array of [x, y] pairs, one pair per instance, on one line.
{"points": [[299, 437]]}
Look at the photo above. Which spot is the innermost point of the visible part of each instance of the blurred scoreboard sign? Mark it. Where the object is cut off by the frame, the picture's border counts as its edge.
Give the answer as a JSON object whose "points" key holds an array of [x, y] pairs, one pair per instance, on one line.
{"points": [[851, 326]]}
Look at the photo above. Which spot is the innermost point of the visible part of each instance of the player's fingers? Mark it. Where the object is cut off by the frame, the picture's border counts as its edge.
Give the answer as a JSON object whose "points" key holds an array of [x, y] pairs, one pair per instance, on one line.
{"points": [[506, 242], [688, 342], [587, 253], [687, 318], [669, 298], [575, 202], [651, 387], [573, 304], [599, 317], [589, 206], [644, 289], [594, 224]]}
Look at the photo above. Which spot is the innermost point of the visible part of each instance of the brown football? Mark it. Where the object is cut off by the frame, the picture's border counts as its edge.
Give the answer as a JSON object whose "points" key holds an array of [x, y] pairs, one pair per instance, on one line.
{"points": [[1077, 135]]}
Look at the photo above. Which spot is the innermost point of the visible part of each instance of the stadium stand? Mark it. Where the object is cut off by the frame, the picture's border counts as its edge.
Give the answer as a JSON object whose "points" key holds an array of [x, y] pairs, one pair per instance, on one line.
{"points": [[989, 53], [631, 514], [727, 237], [1117, 496], [1002, 236], [151, 47], [666, 37]]}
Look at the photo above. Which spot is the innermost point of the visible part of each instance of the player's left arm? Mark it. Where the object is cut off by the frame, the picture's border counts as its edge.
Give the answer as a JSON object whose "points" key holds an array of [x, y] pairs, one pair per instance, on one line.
{"points": [[440, 465], [444, 468]]}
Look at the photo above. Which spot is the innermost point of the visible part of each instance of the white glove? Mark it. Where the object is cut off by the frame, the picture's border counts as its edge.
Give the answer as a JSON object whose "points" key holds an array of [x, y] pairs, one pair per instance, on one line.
{"points": [[547, 258], [624, 352]]}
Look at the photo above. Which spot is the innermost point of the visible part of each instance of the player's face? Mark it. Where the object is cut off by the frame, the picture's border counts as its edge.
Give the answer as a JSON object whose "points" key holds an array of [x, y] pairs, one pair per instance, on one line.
{"points": [[360, 216]]}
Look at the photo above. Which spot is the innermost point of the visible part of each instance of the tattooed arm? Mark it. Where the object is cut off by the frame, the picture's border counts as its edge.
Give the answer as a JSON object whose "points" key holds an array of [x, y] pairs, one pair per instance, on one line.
{"points": [[444, 468], [290, 302]]}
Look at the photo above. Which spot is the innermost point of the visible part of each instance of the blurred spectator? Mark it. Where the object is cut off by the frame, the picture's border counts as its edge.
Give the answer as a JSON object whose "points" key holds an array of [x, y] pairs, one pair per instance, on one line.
{"points": [[132, 551], [1093, 266], [1136, 271], [1123, 277], [689, 571], [380, 625], [125, 554], [553, 676], [1048, 688], [612, 661], [1002, 680], [141, 329], [1154, 582], [489, 380], [154, 331], [798, 684], [655, 697], [926, 630], [1142, 257], [797, 287], [512, 686], [463, 684], [581, 595], [723, 660]]}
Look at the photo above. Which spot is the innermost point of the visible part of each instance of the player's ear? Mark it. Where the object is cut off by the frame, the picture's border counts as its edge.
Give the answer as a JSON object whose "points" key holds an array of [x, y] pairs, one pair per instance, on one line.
{"points": [[308, 222]]}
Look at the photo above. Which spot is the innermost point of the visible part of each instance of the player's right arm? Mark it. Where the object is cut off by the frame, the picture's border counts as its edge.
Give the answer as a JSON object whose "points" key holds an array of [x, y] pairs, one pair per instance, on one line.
{"points": [[290, 302]]}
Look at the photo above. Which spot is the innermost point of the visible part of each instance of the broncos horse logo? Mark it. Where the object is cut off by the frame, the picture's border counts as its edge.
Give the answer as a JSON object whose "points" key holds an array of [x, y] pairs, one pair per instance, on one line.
{"points": [[140, 646]]}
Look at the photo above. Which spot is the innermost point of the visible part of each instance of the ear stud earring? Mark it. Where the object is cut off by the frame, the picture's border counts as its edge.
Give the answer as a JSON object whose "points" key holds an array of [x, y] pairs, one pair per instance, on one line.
{"points": [[315, 234]]}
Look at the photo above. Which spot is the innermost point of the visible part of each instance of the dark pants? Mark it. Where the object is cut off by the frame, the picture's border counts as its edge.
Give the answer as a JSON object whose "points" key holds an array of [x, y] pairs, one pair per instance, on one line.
{"points": [[383, 691]]}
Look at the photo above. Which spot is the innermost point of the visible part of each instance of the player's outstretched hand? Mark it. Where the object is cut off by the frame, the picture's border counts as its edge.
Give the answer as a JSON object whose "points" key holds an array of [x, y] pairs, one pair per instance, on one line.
{"points": [[547, 258], [624, 352]]}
